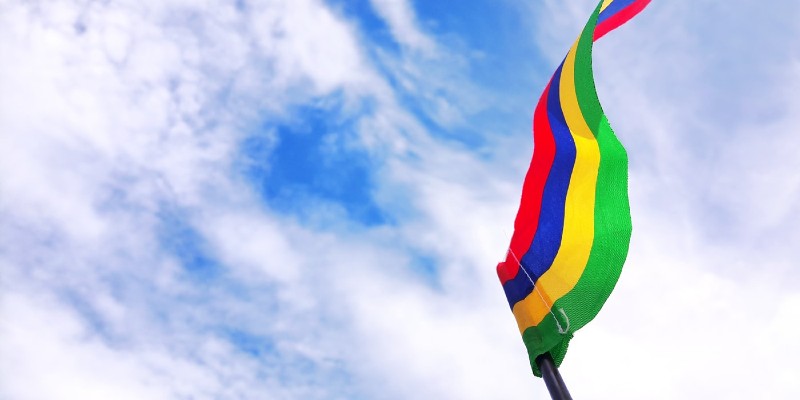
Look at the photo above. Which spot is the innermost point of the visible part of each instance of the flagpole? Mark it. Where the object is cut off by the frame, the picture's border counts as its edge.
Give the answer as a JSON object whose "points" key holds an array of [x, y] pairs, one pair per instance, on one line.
{"points": [[555, 385]]}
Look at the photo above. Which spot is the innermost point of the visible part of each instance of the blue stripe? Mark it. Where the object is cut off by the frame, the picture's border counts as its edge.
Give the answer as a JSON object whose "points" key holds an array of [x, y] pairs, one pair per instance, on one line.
{"points": [[613, 8], [547, 239]]}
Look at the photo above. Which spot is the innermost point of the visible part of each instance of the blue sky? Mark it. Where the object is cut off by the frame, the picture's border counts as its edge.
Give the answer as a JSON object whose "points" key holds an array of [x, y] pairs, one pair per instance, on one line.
{"points": [[306, 199]]}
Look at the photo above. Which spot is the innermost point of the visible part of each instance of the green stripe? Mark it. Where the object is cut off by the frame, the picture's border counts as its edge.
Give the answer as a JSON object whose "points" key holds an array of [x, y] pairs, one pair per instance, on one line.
{"points": [[612, 217], [584, 77], [611, 239], [612, 221]]}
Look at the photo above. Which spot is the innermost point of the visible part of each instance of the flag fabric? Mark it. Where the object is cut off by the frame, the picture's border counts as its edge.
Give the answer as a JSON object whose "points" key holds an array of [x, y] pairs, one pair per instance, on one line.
{"points": [[573, 227]]}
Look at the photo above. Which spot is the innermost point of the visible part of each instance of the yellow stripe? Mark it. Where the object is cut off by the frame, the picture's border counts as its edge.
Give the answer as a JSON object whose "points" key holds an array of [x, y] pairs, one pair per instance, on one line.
{"points": [[605, 4], [576, 240]]}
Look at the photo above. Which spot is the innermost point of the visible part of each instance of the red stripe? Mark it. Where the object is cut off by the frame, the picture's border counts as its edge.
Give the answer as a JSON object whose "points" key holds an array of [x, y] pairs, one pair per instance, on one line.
{"points": [[614, 21], [527, 220]]}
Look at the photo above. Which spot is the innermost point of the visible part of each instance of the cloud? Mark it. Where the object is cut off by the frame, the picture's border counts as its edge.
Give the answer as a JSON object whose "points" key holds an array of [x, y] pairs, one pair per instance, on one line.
{"points": [[143, 254], [401, 18], [118, 138]]}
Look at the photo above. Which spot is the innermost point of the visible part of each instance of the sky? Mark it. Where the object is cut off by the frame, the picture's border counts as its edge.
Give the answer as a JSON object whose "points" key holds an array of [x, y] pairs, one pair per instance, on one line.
{"points": [[306, 199]]}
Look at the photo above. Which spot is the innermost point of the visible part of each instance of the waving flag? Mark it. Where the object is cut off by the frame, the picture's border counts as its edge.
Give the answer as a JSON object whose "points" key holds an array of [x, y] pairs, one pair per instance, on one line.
{"points": [[573, 226]]}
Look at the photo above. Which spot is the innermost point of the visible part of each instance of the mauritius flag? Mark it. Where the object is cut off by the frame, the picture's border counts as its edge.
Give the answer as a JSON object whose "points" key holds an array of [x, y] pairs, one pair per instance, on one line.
{"points": [[573, 226]]}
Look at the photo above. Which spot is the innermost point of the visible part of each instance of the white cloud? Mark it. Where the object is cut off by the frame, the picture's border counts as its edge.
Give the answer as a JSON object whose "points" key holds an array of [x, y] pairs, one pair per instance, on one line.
{"points": [[112, 113], [109, 114], [45, 355], [401, 18]]}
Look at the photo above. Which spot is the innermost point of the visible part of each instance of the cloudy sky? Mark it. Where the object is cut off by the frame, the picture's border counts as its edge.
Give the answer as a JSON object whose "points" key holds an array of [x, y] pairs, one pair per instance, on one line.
{"points": [[306, 199]]}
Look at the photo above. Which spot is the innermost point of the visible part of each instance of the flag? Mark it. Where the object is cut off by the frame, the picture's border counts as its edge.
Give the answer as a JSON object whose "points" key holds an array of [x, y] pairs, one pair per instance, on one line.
{"points": [[573, 227]]}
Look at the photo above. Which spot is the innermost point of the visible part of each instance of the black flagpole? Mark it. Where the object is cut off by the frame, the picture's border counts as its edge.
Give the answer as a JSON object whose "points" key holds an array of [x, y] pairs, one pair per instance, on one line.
{"points": [[555, 385]]}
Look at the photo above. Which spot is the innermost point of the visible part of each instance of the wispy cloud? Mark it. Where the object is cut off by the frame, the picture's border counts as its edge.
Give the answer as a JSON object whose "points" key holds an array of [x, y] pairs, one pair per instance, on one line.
{"points": [[401, 18], [261, 200]]}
